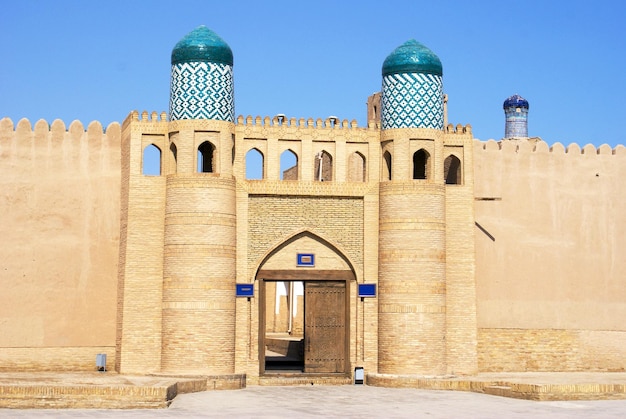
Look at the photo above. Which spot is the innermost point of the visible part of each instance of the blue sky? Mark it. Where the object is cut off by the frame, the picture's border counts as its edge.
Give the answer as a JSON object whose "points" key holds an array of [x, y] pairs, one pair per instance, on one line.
{"points": [[100, 60]]}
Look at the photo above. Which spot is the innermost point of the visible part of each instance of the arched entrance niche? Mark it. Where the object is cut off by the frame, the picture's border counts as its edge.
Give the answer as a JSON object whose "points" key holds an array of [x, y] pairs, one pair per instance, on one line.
{"points": [[304, 307]]}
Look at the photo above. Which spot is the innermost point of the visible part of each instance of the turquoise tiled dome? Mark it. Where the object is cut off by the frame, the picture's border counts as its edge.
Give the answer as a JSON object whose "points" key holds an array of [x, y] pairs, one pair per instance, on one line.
{"points": [[412, 93], [202, 45], [412, 57]]}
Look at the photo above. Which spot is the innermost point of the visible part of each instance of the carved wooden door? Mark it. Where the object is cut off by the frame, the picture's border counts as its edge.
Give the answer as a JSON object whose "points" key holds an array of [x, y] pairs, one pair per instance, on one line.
{"points": [[324, 326]]}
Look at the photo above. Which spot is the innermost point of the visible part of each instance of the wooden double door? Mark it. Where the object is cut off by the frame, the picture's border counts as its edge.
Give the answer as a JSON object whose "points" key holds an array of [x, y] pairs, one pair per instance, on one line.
{"points": [[325, 327]]}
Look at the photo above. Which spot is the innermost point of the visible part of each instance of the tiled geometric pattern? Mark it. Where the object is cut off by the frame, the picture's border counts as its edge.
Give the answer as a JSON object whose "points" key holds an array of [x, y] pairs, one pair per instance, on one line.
{"points": [[202, 90], [516, 125], [412, 100]]}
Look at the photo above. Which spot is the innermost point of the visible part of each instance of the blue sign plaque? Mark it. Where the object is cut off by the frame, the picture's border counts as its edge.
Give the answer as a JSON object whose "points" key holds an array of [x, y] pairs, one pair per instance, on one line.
{"points": [[245, 290], [367, 290], [306, 259]]}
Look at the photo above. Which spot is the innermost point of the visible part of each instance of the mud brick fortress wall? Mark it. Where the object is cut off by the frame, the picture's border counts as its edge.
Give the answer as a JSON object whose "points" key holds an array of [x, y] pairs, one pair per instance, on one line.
{"points": [[487, 256], [60, 230], [548, 225], [550, 258]]}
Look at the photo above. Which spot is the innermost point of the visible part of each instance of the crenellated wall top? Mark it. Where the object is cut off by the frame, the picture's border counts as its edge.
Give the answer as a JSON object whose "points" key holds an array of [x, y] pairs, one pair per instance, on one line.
{"points": [[41, 126], [537, 145], [331, 122], [459, 129], [52, 140], [144, 116], [531, 145]]}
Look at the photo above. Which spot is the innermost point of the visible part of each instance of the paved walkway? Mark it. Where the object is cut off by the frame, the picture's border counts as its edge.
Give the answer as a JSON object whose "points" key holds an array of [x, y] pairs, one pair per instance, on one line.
{"points": [[347, 402]]}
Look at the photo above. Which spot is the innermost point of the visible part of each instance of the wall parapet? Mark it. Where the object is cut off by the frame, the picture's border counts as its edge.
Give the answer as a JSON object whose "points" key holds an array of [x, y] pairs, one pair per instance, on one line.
{"points": [[282, 121], [145, 116], [76, 128], [540, 146], [458, 129]]}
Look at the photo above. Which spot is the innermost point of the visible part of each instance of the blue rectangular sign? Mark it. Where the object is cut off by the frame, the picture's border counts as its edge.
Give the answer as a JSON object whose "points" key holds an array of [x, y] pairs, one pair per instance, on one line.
{"points": [[245, 290], [367, 290], [306, 259]]}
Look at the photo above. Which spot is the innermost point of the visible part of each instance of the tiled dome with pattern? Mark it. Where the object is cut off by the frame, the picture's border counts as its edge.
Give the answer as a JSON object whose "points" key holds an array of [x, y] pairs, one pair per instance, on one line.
{"points": [[412, 57], [515, 101], [202, 44]]}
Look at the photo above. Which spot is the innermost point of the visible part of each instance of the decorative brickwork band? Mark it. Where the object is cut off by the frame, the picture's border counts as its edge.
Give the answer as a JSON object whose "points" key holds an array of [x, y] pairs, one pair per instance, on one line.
{"points": [[202, 90], [412, 100]]}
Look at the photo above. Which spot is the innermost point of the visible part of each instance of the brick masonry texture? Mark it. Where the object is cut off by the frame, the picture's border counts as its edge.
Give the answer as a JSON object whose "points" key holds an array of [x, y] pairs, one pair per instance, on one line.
{"points": [[271, 220], [412, 278], [486, 275], [199, 276], [550, 350]]}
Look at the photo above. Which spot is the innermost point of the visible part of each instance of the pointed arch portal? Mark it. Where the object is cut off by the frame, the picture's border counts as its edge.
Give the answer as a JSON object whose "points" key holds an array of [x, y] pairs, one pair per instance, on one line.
{"points": [[313, 337]]}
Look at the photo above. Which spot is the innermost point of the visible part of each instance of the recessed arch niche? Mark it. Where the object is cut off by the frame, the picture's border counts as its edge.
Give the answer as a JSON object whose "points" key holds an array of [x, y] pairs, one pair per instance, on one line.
{"points": [[295, 301]]}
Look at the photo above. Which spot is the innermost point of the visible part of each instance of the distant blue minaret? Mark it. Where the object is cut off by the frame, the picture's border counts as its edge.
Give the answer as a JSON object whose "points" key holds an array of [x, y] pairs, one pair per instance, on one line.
{"points": [[202, 78], [516, 111]]}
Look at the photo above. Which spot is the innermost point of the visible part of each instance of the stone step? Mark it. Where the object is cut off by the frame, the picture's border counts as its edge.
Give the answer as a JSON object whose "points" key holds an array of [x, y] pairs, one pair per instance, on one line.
{"points": [[304, 379], [504, 391]]}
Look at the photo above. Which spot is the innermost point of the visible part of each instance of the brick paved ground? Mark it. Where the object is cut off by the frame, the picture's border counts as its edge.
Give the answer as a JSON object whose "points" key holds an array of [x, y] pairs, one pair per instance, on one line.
{"points": [[346, 401]]}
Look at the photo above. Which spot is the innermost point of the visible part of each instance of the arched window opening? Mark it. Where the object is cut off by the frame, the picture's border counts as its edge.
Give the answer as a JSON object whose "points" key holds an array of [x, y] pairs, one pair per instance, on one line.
{"points": [[421, 164], [452, 170], [387, 166], [288, 165], [356, 168], [151, 164], [323, 167], [254, 164], [206, 153], [173, 158]]}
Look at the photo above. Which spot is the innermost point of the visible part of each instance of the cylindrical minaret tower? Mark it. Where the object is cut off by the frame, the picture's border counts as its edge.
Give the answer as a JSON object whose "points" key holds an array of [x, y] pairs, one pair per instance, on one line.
{"points": [[412, 236], [199, 263], [412, 88], [516, 111], [202, 78]]}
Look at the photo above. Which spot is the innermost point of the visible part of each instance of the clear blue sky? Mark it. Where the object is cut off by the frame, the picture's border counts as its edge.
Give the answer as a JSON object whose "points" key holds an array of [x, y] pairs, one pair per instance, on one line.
{"points": [[100, 60]]}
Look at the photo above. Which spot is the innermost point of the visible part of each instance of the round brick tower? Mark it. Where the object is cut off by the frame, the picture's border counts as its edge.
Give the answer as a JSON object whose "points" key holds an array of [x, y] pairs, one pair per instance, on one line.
{"points": [[198, 334], [516, 113], [412, 236]]}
